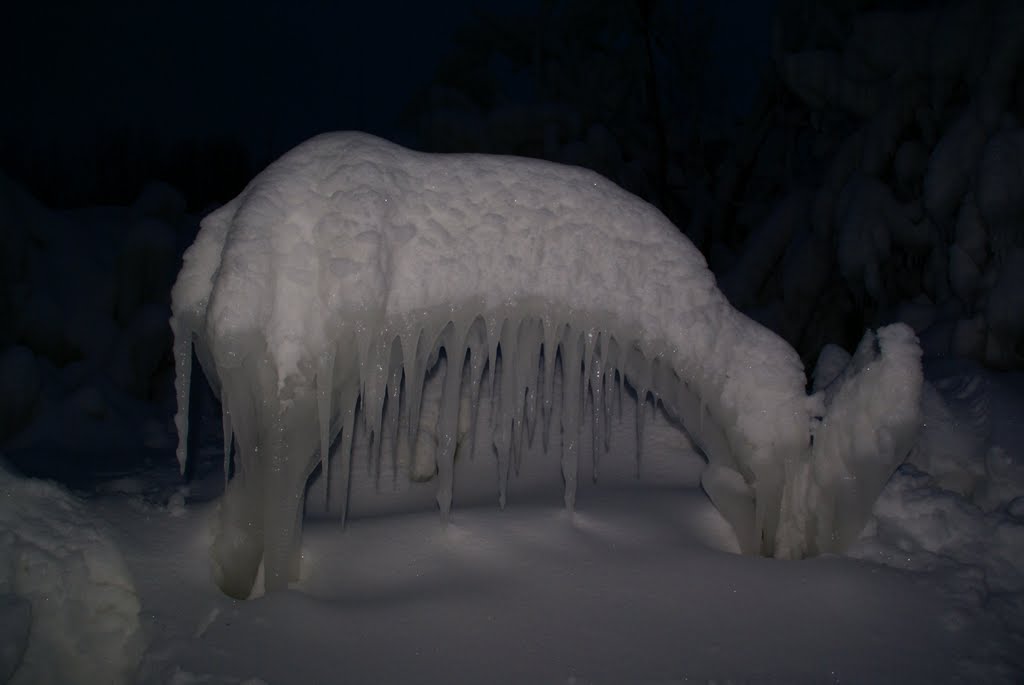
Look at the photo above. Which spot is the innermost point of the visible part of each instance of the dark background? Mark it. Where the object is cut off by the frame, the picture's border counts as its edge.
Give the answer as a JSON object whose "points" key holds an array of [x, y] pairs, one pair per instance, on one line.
{"points": [[103, 96], [797, 143]]}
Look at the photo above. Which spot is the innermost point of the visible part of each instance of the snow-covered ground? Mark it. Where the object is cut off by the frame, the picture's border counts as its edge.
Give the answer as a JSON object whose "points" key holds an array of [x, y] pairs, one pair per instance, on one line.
{"points": [[641, 584]]}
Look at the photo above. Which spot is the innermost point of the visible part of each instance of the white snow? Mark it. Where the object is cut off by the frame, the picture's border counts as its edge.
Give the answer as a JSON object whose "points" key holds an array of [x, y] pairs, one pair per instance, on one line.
{"points": [[352, 262]]}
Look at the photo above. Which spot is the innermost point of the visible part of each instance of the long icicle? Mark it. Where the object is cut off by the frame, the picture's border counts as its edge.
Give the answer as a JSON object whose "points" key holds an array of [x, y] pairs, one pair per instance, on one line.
{"points": [[589, 341], [394, 405], [597, 407], [324, 387], [414, 360], [570, 413], [503, 424], [349, 401], [550, 353], [476, 343]]}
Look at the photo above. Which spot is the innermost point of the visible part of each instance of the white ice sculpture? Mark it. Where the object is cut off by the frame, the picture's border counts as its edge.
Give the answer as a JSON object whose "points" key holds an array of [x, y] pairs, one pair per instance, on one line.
{"points": [[329, 287]]}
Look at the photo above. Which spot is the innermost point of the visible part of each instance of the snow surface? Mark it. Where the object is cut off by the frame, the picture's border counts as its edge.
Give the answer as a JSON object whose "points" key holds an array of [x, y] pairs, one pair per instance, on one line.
{"points": [[352, 262]]}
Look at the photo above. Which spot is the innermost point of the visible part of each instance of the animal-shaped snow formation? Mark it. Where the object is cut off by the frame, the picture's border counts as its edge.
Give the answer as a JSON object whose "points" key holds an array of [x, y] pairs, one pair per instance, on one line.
{"points": [[352, 267]]}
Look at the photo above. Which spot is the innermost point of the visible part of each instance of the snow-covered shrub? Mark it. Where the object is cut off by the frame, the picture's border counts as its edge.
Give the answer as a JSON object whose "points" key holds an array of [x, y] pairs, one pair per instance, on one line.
{"points": [[352, 267]]}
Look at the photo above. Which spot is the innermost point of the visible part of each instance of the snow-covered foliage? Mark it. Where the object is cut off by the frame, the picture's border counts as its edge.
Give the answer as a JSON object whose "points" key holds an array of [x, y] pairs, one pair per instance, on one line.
{"points": [[85, 349], [351, 268], [899, 163], [68, 608]]}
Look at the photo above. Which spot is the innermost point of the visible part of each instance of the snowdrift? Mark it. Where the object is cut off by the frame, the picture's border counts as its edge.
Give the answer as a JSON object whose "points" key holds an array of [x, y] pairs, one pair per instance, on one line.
{"points": [[352, 269]]}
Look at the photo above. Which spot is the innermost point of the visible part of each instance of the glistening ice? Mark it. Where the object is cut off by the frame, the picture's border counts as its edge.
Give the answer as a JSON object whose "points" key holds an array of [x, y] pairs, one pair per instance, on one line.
{"points": [[351, 268]]}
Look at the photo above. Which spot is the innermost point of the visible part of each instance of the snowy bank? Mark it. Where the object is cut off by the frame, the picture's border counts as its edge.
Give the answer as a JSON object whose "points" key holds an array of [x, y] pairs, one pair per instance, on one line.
{"points": [[68, 607], [351, 269]]}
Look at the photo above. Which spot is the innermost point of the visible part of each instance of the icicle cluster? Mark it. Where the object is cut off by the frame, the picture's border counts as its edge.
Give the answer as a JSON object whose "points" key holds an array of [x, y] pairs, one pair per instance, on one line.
{"points": [[514, 359]]}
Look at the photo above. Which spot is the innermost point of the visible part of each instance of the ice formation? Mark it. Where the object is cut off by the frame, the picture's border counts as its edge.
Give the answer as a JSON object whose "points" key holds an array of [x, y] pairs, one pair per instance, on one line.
{"points": [[351, 267]]}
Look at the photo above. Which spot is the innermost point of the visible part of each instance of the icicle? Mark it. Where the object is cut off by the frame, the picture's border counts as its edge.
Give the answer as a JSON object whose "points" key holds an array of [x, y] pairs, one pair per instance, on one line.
{"points": [[526, 367], [448, 416], [586, 359], [534, 395], [477, 363], [394, 396], [611, 371], [182, 385], [639, 372], [503, 421], [225, 420], [527, 356], [414, 377], [495, 327], [324, 387], [597, 406], [551, 333], [641, 411], [363, 346], [610, 352], [570, 413], [374, 397]]}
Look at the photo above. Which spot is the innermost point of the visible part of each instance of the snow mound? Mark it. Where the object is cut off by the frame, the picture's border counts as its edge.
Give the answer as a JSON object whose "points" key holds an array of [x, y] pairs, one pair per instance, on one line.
{"points": [[351, 268], [69, 609], [975, 557], [914, 164]]}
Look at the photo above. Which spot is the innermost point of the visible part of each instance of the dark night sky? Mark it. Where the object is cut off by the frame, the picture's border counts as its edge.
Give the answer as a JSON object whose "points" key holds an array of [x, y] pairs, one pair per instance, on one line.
{"points": [[267, 75]]}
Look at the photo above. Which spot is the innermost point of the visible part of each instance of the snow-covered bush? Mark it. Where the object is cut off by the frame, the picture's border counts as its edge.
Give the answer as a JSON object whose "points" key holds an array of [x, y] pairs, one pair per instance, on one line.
{"points": [[86, 347], [352, 267]]}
